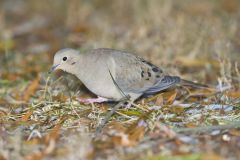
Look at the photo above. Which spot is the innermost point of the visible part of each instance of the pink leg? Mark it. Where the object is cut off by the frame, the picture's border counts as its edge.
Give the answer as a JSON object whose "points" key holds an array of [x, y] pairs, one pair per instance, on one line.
{"points": [[92, 100], [128, 105]]}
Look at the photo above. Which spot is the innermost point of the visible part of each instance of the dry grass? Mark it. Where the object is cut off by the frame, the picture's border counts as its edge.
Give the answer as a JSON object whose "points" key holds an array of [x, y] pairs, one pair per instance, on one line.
{"points": [[40, 117]]}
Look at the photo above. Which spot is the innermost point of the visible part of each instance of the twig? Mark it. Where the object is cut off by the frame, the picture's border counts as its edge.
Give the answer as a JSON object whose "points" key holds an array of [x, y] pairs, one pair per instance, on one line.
{"points": [[46, 87], [140, 107], [206, 129], [124, 115], [109, 114]]}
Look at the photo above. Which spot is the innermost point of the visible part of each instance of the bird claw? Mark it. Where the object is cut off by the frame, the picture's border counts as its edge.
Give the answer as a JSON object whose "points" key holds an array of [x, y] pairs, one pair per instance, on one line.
{"points": [[92, 100], [127, 105]]}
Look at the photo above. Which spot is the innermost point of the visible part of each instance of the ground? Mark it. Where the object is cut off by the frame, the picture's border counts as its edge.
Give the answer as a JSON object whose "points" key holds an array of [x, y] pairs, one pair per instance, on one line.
{"points": [[198, 40]]}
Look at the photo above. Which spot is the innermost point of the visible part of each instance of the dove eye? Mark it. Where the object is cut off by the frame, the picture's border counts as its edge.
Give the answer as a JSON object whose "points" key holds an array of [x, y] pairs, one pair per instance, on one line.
{"points": [[64, 58]]}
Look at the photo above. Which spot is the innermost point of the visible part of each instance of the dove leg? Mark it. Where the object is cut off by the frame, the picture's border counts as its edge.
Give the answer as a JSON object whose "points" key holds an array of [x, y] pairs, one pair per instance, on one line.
{"points": [[127, 105], [92, 100], [130, 103]]}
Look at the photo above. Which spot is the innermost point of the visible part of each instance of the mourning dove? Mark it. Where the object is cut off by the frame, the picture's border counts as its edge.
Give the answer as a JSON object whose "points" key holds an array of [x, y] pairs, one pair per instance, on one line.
{"points": [[113, 74]]}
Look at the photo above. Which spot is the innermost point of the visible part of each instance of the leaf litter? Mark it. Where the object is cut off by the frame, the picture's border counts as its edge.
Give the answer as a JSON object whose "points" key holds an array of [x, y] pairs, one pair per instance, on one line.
{"points": [[40, 117]]}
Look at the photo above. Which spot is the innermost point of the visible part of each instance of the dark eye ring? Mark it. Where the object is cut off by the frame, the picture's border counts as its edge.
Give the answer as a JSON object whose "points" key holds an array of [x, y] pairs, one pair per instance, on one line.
{"points": [[64, 58]]}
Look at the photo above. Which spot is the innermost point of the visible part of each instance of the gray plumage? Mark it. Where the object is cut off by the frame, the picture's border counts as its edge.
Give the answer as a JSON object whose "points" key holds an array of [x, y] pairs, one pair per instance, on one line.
{"points": [[112, 74]]}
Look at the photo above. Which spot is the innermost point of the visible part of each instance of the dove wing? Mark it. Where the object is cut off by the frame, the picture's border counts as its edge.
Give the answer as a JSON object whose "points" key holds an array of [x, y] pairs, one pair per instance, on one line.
{"points": [[135, 75]]}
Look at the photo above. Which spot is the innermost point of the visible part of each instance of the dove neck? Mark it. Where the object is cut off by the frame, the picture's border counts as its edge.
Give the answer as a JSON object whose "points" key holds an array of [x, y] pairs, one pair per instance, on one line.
{"points": [[79, 69]]}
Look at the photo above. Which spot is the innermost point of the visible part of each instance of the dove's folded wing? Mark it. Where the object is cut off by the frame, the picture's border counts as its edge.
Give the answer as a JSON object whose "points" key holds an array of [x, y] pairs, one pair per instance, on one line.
{"points": [[135, 75]]}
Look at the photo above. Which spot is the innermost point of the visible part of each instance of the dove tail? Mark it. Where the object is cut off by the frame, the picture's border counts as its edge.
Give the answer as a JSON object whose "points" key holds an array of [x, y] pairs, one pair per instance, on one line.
{"points": [[165, 83], [184, 82]]}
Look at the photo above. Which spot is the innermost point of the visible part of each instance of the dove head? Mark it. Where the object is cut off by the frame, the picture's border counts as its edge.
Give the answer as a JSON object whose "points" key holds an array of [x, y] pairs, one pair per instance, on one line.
{"points": [[66, 60]]}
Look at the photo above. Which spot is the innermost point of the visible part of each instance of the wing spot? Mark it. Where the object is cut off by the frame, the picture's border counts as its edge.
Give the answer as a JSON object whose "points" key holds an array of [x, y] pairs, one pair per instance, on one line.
{"points": [[142, 74], [73, 63], [149, 74], [157, 76], [147, 79], [155, 69]]}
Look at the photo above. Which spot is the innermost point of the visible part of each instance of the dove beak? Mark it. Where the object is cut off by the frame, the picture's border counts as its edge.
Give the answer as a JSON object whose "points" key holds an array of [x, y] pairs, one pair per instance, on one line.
{"points": [[53, 68]]}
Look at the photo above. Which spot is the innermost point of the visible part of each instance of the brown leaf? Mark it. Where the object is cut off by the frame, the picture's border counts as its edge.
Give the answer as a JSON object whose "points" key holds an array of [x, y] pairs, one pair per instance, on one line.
{"points": [[171, 99], [26, 116], [3, 101], [190, 125], [33, 141], [2, 157], [31, 89], [10, 76], [201, 93], [167, 131], [121, 139], [235, 132], [35, 156], [60, 98], [233, 94], [159, 101], [177, 110], [117, 126], [230, 6], [50, 141], [136, 134], [162, 131], [128, 139], [53, 135]]}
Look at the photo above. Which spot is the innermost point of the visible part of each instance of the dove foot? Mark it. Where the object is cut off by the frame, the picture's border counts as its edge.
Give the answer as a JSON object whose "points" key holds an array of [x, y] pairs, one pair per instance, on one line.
{"points": [[126, 105], [92, 100]]}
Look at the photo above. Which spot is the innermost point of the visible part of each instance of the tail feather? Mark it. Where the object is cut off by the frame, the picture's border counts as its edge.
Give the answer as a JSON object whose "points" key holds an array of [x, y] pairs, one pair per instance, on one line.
{"points": [[184, 82], [165, 83]]}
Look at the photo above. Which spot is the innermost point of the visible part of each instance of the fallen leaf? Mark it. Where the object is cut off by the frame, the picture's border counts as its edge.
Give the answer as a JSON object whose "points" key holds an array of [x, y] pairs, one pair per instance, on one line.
{"points": [[159, 101], [201, 93], [177, 110], [53, 135], [10, 76], [128, 139], [136, 135], [49, 147], [117, 126], [31, 89], [235, 132], [190, 125], [3, 101], [171, 99], [26, 116], [233, 94], [2, 157], [35, 156], [121, 139], [60, 98]]}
